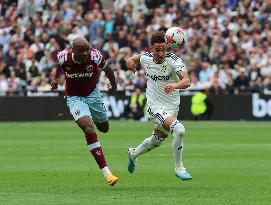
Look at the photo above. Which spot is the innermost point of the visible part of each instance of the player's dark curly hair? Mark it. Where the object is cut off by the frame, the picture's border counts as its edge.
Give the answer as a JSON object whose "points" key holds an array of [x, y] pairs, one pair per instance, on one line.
{"points": [[158, 37]]}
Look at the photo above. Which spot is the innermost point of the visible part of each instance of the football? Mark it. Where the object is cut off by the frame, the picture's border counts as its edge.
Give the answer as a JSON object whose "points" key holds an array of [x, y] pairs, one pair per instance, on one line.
{"points": [[175, 37]]}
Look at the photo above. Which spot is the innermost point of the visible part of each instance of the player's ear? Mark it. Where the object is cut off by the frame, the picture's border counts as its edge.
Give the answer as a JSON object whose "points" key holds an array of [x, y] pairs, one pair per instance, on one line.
{"points": [[152, 48]]}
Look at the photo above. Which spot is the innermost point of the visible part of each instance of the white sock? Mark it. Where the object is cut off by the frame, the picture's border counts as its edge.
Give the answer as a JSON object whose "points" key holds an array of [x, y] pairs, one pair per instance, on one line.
{"points": [[177, 130], [105, 171], [147, 145]]}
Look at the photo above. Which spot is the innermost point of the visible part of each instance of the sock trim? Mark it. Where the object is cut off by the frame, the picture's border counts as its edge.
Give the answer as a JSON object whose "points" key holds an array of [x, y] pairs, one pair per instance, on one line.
{"points": [[105, 171], [94, 145]]}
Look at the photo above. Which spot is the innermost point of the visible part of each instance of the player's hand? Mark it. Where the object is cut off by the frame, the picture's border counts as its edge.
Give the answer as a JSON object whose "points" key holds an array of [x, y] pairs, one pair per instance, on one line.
{"points": [[54, 85], [110, 89], [169, 88], [130, 64]]}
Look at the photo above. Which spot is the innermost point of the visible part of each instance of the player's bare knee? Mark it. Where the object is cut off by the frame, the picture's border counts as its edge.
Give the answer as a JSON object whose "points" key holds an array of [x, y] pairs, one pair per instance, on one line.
{"points": [[103, 129], [177, 129], [88, 130]]}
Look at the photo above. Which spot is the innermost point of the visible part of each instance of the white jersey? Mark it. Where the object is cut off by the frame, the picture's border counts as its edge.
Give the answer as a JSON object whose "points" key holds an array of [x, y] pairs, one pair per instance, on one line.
{"points": [[158, 76]]}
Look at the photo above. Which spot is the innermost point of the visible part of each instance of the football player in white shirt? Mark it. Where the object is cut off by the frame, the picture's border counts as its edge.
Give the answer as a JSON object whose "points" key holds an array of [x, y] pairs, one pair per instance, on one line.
{"points": [[166, 75]]}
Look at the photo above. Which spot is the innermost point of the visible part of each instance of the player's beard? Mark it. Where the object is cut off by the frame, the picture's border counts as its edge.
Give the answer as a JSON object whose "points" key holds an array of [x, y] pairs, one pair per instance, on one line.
{"points": [[159, 60]]}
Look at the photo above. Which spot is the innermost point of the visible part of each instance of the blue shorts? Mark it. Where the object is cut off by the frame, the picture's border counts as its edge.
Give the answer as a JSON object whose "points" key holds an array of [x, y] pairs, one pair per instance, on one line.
{"points": [[91, 106]]}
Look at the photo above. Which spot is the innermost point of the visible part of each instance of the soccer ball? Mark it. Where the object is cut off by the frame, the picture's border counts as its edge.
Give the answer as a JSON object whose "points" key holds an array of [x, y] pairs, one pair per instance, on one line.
{"points": [[175, 37]]}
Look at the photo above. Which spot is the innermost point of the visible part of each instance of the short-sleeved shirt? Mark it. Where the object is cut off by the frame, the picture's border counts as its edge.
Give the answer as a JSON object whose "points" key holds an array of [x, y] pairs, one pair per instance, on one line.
{"points": [[158, 76], [81, 78]]}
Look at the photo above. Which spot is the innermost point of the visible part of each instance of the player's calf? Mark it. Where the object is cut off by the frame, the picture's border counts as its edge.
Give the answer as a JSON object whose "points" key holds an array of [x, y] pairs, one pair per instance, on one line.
{"points": [[95, 148]]}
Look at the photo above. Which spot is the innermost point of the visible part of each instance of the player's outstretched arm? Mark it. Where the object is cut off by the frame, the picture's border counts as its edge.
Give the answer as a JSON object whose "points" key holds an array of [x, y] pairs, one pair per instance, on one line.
{"points": [[54, 83], [132, 62], [184, 80], [182, 84], [111, 77]]}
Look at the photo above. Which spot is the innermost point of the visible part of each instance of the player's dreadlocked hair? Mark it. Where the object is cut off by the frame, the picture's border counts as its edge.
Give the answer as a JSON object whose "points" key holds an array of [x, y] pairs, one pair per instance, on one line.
{"points": [[158, 37]]}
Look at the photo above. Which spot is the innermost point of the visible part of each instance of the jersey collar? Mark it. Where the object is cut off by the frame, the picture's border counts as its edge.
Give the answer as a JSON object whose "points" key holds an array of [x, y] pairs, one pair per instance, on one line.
{"points": [[158, 63], [74, 59], [155, 61]]}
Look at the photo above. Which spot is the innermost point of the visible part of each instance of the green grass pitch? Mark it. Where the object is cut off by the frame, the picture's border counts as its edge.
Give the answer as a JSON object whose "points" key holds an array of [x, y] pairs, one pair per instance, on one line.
{"points": [[47, 163]]}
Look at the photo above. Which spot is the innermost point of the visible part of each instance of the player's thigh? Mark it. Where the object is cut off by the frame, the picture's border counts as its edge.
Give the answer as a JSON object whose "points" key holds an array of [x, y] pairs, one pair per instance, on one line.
{"points": [[97, 108], [162, 118], [160, 134], [78, 107]]}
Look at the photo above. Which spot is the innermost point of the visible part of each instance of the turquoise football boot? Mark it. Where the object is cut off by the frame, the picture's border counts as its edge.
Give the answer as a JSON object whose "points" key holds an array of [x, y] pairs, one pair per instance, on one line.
{"points": [[131, 161], [184, 175]]}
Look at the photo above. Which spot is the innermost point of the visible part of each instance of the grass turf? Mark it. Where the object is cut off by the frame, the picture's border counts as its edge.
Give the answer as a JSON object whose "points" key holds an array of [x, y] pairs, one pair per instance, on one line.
{"points": [[48, 163]]}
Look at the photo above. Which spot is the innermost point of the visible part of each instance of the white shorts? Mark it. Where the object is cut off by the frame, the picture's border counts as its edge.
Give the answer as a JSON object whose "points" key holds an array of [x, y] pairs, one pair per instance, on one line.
{"points": [[158, 116]]}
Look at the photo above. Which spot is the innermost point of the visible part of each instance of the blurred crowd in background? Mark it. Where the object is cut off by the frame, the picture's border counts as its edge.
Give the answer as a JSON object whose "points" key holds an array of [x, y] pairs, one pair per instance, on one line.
{"points": [[228, 50]]}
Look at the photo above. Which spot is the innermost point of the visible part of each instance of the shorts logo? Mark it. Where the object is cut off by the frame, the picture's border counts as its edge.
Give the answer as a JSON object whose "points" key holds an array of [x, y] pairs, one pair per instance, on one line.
{"points": [[77, 112]]}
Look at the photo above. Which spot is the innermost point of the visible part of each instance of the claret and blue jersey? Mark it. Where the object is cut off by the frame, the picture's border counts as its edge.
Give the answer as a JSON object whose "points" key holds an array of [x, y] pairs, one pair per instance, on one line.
{"points": [[81, 79], [83, 98]]}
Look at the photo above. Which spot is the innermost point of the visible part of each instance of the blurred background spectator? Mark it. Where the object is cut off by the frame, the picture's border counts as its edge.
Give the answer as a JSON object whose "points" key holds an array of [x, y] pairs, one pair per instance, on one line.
{"points": [[228, 49], [138, 104], [201, 107]]}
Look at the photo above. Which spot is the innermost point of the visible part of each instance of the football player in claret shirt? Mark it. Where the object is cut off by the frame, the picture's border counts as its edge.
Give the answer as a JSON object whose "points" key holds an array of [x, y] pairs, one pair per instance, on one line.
{"points": [[81, 65]]}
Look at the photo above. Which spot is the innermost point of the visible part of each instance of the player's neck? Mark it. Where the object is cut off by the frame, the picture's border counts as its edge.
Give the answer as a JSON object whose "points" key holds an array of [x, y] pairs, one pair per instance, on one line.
{"points": [[159, 62], [74, 59]]}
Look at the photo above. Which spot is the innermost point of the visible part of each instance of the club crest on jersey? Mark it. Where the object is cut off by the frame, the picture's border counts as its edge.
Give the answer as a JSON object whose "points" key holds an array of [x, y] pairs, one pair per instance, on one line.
{"points": [[89, 68], [164, 68]]}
